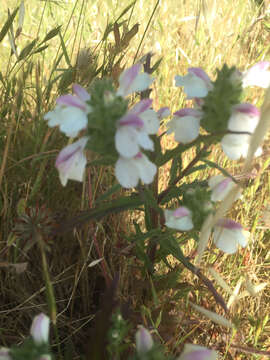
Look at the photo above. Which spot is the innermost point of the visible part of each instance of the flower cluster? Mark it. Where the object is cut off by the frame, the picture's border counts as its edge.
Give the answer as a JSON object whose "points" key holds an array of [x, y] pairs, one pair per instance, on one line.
{"points": [[227, 234], [37, 346], [131, 129], [145, 344], [218, 108]]}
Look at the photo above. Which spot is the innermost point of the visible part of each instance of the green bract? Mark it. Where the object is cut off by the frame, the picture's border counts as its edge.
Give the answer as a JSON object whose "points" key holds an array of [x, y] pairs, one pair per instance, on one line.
{"points": [[217, 105], [107, 109]]}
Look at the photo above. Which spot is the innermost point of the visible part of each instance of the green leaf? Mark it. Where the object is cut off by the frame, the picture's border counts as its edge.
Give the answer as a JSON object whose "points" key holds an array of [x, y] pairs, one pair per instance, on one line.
{"points": [[216, 166], [115, 188], [27, 50], [38, 50], [125, 10], [51, 34], [115, 206], [8, 24], [65, 50]]}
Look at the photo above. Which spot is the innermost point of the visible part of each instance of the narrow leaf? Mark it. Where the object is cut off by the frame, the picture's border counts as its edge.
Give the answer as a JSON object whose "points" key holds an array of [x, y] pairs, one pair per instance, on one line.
{"points": [[51, 34], [27, 50], [8, 24]]}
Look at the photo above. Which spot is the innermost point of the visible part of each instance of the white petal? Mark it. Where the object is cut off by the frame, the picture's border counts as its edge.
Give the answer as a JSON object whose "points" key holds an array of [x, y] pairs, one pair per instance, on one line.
{"points": [[235, 146], [40, 328], [186, 128], [243, 122], [146, 169], [126, 173], [71, 161], [183, 223], [127, 141], [73, 121], [193, 85], [196, 352], [228, 240], [151, 121], [144, 141]]}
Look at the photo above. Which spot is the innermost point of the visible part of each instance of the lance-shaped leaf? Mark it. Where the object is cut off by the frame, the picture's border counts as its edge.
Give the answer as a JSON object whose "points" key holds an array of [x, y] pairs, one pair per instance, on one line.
{"points": [[8, 24], [117, 206]]}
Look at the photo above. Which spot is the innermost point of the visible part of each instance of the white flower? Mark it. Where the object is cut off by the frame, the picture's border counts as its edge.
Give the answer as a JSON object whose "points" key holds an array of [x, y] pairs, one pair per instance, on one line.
{"points": [[220, 186], [196, 352], [196, 83], [129, 171], [186, 125], [40, 328], [228, 234], [144, 341], [180, 219], [4, 354], [71, 161], [132, 80], [70, 113], [134, 129], [257, 75], [244, 120]]}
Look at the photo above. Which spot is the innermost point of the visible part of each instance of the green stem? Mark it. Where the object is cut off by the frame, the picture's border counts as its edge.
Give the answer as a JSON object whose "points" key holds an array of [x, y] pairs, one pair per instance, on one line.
{"points": [[49, 289]]}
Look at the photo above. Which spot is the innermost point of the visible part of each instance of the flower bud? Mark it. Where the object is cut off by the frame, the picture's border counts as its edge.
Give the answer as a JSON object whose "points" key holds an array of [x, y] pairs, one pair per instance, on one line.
{"points": [[40, 328], [144, 341]]}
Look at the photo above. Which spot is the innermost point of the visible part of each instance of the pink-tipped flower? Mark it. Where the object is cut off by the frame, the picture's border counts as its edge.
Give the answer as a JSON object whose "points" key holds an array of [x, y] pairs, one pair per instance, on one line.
{"points": [[196, 83], [220, 186], [144, 341], [134, 129], [40, 329], [196, 352], [71, 161], [257, 75], [4, 354], [129, 171], [185, 125], [179, 219], [132, 80], [228, 235], [245, 118], [70, 113]]}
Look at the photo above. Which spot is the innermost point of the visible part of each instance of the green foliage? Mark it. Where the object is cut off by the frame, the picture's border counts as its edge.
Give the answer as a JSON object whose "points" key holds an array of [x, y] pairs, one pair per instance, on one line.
{"points": [[29, 350], [117, 335], [226, 92]]}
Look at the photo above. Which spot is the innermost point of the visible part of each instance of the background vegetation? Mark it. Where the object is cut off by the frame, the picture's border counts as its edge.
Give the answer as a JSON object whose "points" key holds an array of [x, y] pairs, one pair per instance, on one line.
{"points": [[61, 42]]}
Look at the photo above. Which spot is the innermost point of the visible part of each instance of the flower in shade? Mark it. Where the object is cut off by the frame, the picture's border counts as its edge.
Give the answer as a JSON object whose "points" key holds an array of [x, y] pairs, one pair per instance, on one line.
{"points": [[129, 171], [196, 83], [196, 352], [257, 75], [243, 122], [185, 124], [228, 235], [40, 329], [71, 161], [70, 113], [144, 341], [180, 219], [134, 129], [132, 80], [220, 186], [4, 354]]}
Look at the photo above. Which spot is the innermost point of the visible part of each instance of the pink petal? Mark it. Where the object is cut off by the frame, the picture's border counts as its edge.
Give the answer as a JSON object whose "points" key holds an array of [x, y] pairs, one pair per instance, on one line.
{"points": [[81, 92], [229, 224], [181, 212], [197, 71], [247, 108], [131, 120], [70, 100], [188, 112], [141, 106]]}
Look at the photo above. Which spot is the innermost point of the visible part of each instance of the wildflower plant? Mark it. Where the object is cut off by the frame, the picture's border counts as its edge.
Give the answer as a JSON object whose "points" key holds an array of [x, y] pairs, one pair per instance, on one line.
{"points": [[125, 135]]}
